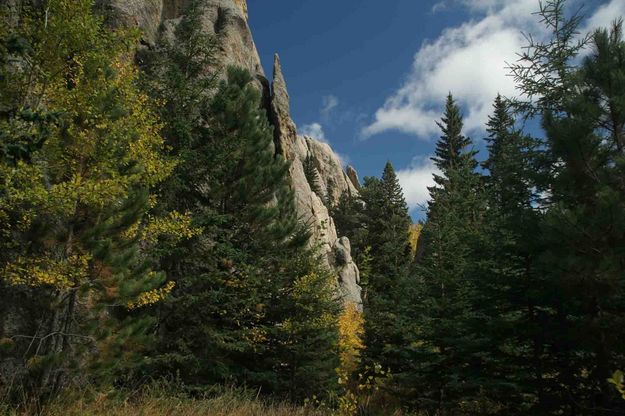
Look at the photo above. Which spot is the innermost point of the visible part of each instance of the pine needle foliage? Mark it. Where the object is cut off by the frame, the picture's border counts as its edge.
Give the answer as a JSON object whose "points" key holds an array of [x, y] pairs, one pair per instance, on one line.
{"points": [[252, 305]]}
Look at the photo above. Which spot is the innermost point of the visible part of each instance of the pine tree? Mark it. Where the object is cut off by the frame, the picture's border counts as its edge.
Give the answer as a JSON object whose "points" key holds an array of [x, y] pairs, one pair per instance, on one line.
{"points": [[348, 215], [445, 353], [387, 223], [545, 71], [306, 360], [453, 153], [584, 231], [580, 227], [389, 236], [450, 157], [251, 306], [507, 276]]}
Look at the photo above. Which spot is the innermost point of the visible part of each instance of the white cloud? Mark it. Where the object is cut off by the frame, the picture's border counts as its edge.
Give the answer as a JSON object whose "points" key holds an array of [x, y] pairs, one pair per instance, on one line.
{"points": [[473, 5], [404, 118], [328, 103], [314, 130], [440, 6], [605, 15], [470, 61], [415, 180]]}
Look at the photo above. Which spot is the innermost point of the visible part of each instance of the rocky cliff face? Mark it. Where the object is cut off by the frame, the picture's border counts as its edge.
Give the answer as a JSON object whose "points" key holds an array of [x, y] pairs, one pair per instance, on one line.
{"points": [[333, 182], [228, 21]]}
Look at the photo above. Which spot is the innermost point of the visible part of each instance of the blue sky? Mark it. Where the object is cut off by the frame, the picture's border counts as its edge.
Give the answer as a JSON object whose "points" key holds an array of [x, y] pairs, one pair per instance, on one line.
{"points": [[370, 77]]}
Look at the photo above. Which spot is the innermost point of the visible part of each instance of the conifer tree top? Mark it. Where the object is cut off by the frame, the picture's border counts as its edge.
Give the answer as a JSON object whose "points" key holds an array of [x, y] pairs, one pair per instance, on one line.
{"points": [[452, 144], [452, 149], [393, 191], [500, 129]]}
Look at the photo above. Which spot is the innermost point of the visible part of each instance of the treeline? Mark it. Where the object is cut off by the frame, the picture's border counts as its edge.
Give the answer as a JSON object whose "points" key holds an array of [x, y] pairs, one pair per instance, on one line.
{"points": [[515, 302], [147, 227]]}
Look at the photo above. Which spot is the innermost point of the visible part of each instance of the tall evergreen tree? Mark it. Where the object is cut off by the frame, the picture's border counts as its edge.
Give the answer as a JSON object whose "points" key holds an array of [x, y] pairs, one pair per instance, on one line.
{"points": [[387, 223], [507, 277], [453, 150], [445, 353], [251, 306], [580, 229], [249, 312]]}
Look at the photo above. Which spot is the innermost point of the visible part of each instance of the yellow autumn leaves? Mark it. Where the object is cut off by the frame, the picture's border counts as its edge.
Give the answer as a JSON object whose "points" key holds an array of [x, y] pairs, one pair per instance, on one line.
{"points": [[35, 272], [151, 297]]}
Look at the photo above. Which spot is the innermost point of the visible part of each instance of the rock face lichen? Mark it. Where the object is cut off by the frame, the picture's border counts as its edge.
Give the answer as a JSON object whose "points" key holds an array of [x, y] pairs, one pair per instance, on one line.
{"points": [[228, 21]]}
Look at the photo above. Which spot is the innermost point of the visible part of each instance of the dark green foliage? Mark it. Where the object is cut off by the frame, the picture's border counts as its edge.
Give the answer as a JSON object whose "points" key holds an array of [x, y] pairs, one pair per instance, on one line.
{"points": [[580, 229], [545, 72], [584, 228], [181, 75], [348, 215], [377, 224], [72, 192], [251, 306], [26, 128], [306, 355], [225, 322], [447, 352], [386, 221], [312, 175], [453, 149], [454, 156], [511, 288], [514, 305], [520, 299]]}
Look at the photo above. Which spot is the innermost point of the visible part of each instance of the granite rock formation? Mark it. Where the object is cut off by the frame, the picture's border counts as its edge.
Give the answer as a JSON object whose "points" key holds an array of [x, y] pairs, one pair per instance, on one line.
{"points": [[333, 182]]}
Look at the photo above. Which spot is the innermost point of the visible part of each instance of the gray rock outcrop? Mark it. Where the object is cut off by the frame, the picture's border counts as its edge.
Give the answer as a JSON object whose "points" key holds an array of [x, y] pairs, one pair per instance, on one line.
{"points": [[333, 182], [226, 19], [349, 275], [353, 177], [146, 14]]}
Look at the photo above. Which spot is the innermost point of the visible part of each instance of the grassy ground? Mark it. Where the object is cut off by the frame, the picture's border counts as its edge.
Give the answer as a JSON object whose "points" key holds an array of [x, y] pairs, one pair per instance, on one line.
{"points": [[156, 402]]}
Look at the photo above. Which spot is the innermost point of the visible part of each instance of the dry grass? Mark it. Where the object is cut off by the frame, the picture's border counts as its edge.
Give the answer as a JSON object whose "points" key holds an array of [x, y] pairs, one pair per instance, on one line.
{"points": [[155, 402]]}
